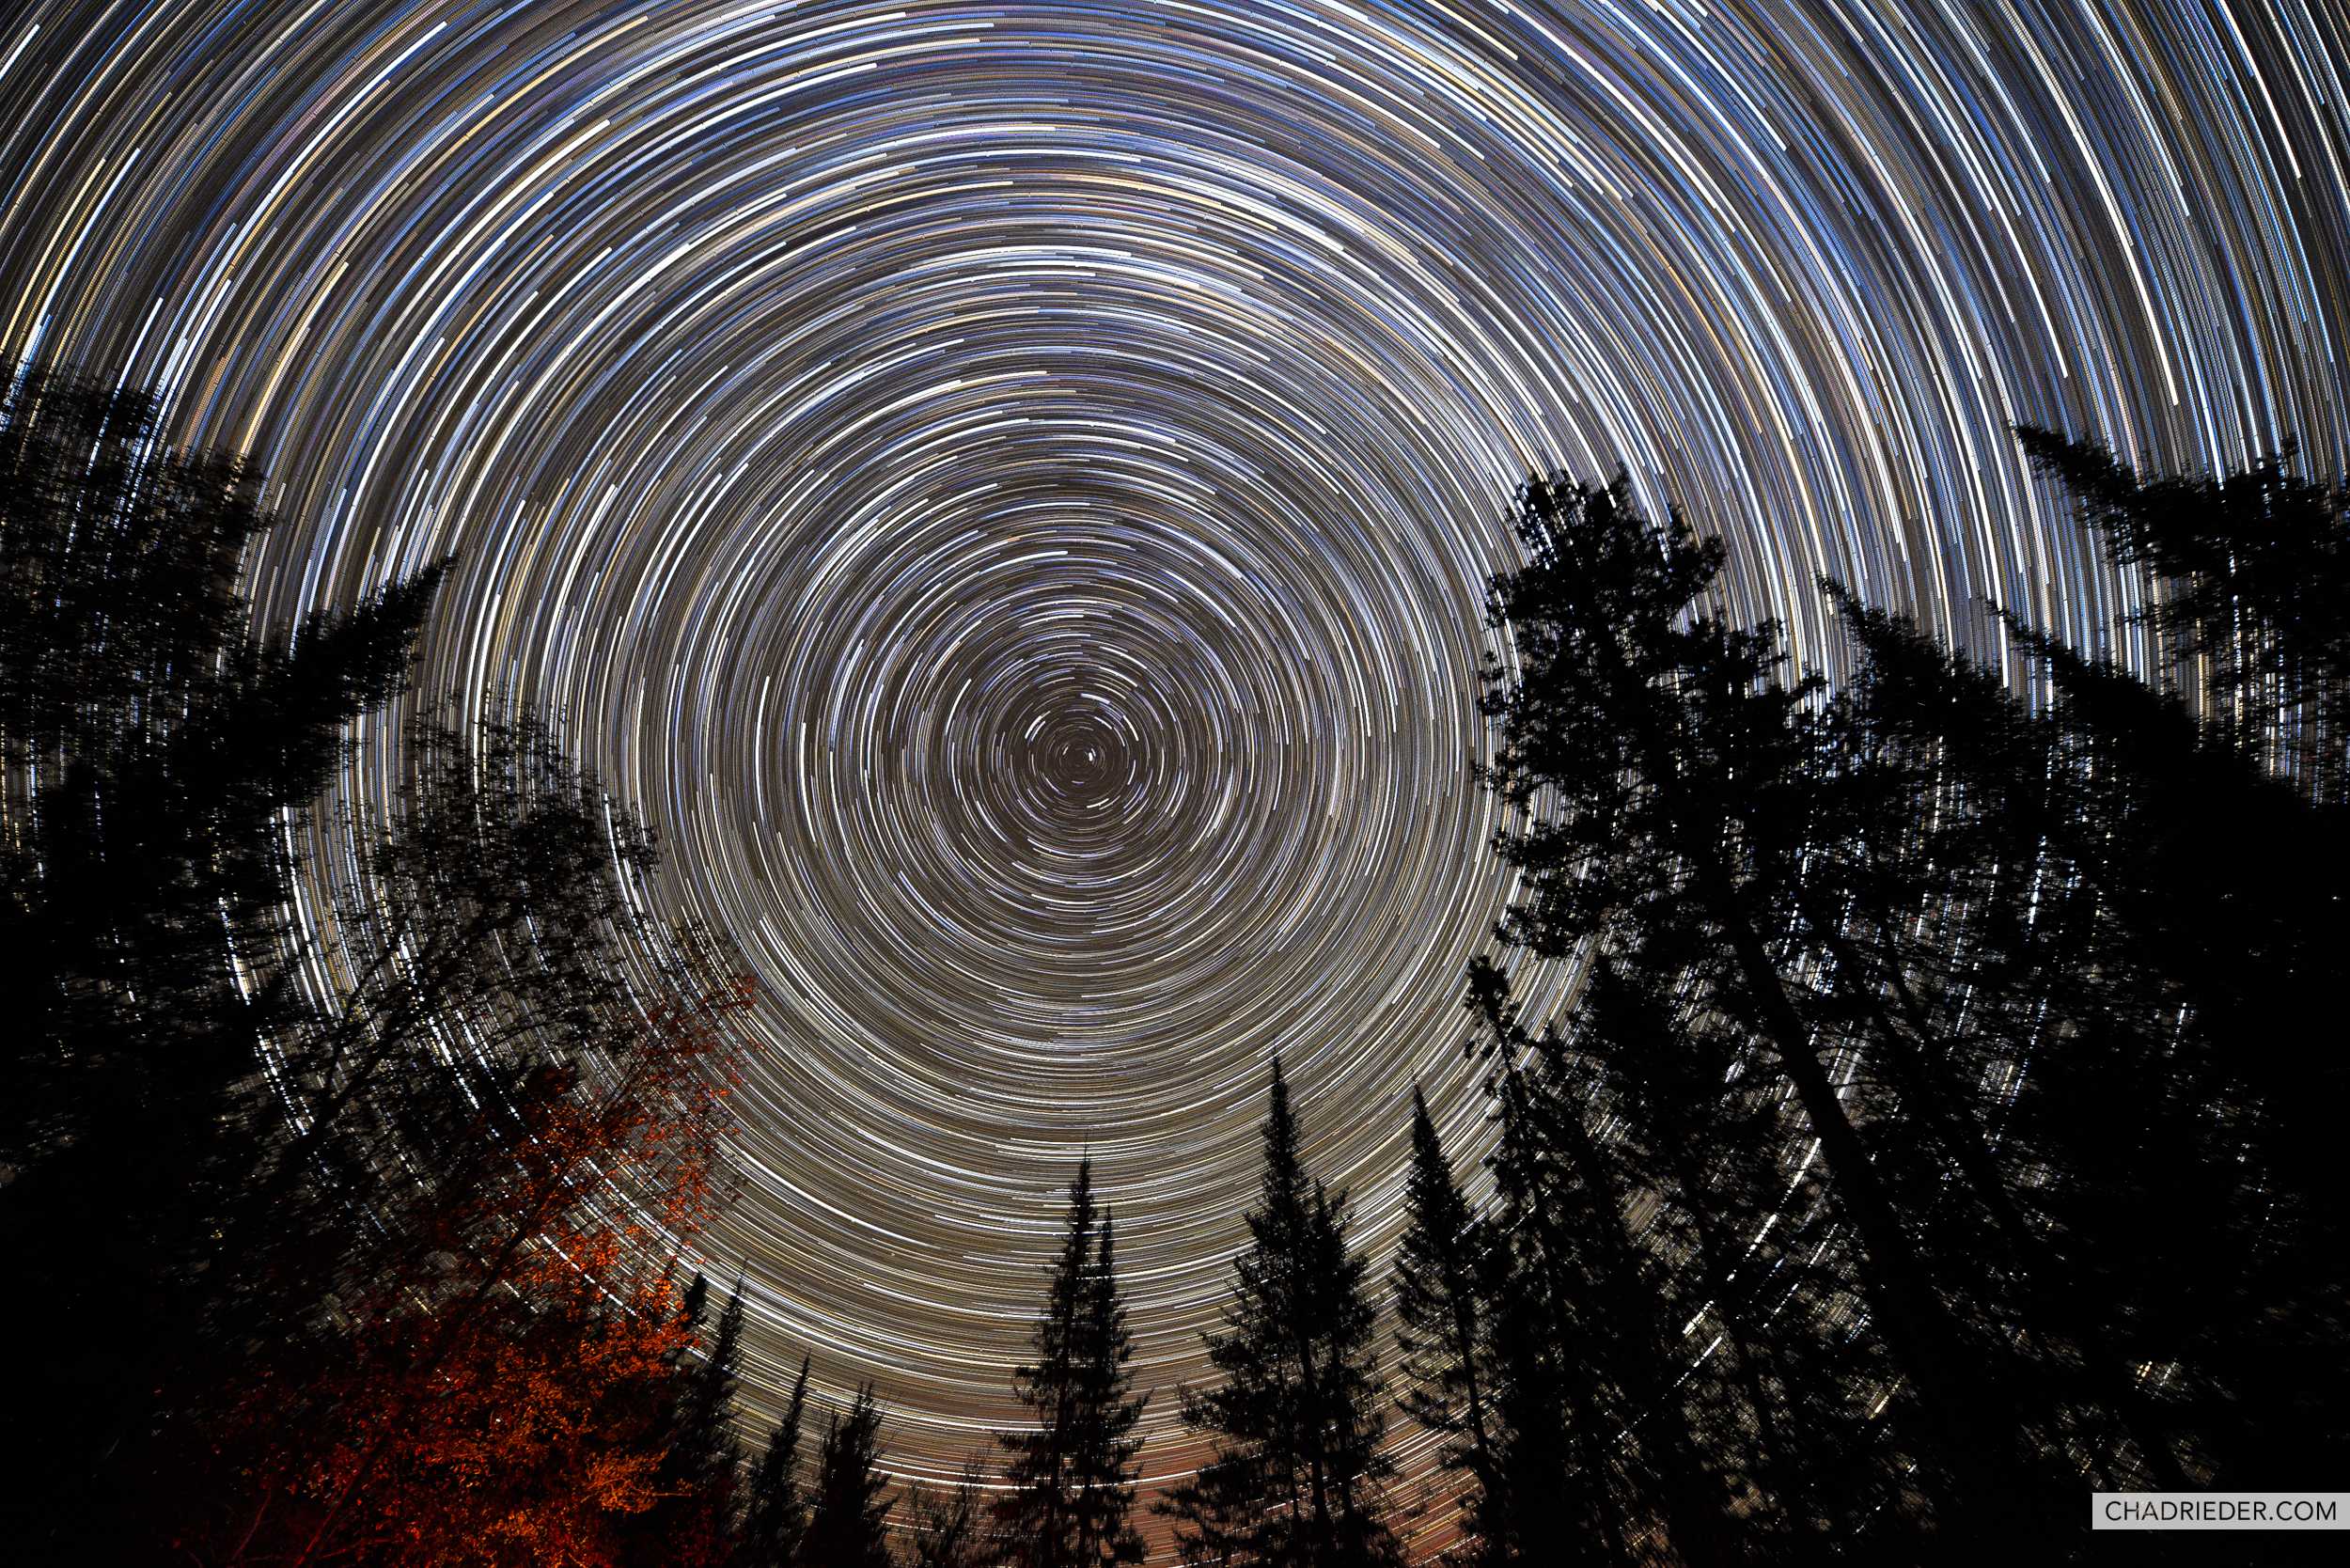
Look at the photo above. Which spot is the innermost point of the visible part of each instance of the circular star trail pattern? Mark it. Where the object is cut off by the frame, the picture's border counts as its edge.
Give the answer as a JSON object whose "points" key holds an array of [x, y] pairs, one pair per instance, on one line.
{"points": [[1005, 489]]}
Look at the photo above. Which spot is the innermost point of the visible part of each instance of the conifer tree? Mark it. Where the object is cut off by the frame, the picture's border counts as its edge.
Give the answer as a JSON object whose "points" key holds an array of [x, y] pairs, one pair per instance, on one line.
{"points": [[1977, 920], [774, 1514], [1598, 1310], [2147, 926], [1779, 1407], [1071, 1478], [709, 1455], [1555, 1474], [1109, 1414], [696, 1481], [1038, 1513], [1668, 804], [1989, 953], [1444, 1334], [1296, 1475], [848, 1516], [2250, 601]]}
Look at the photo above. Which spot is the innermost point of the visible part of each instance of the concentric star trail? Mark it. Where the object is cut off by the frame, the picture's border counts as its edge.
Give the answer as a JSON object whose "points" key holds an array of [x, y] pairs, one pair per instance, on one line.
{"points": [[1005, 489]]}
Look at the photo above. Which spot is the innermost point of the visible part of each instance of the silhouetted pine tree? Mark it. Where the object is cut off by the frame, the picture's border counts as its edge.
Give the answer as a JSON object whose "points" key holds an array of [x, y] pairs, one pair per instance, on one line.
{"points": [[1071, 1479], [2150, 927], [1669, 788], [1220, 1510], [1109, 1414], [1975, 952], [2212, 810], [693, 1521], [775, 1513], [1779, 1400], [1593, 1295], [2249, 579], [1296, 1477], [1443, 1280], [706, 1453], [2018, 966], [849, 1505]]}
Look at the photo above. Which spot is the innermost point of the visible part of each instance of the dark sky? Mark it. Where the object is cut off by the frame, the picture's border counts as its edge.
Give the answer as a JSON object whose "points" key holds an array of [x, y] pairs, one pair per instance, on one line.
{"points": [[1006, 488]]}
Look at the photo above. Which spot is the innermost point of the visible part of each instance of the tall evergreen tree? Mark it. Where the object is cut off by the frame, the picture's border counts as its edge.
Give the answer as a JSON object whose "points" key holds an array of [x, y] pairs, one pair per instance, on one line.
{"points": [[1667, 796], [1744, 1259], [1599, 1311], [1109, 1414], [2144, 926], [693, 1521], [1070, 1478], [1443, 1280], [2249, 576], [1296, 1475], [2016, 967], [1036, 1510], [775, 1513], [708, 1452], [848, 1516], [1974, 950]]}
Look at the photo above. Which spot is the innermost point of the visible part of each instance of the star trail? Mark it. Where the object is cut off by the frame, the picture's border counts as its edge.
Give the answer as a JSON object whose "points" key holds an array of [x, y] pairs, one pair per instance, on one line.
{"points": [[1006, 490]]}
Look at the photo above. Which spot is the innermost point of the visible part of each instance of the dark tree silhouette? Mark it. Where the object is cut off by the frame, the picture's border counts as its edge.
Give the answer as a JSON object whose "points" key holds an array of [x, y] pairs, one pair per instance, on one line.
{"points": [[1072, 1478], [148, 741], [849, 1505], [1110, 1413], [368, 1243], [2144, 927], [1667, 800], [775, 1513], [1444, 1286], [2019, 963], [2250, 575], [1297, 1474], [1779, 1408], [697, 1483], [1601, 1316]]}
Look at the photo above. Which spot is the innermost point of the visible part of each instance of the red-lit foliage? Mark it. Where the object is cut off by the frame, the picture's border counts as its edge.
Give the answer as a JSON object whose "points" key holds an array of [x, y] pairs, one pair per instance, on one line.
{"points": [[498, 1392]]}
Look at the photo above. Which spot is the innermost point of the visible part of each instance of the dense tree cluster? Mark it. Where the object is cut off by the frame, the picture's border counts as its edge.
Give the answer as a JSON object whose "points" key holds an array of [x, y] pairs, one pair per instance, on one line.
{"points": [[366, 1253], [353, 1253], [1067, 1486], [1931, 1139]]}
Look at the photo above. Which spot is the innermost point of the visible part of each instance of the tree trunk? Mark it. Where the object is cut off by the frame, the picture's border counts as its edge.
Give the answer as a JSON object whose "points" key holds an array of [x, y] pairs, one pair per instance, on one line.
{"points": [[1974, 1444]]}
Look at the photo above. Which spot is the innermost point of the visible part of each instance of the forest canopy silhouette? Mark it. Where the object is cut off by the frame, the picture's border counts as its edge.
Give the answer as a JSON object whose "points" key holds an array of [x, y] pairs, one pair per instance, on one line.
{"points": [[1944, 1126]]}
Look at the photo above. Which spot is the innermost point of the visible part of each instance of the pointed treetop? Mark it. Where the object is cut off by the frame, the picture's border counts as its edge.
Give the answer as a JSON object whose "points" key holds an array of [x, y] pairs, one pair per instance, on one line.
{"points": [[1284, 1188]]}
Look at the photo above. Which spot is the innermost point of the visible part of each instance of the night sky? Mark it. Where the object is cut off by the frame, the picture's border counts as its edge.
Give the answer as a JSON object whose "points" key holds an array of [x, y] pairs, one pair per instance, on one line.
{"points": [[1006, 490]]}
